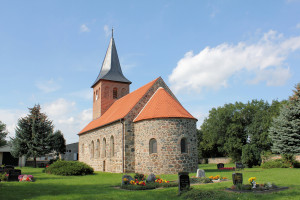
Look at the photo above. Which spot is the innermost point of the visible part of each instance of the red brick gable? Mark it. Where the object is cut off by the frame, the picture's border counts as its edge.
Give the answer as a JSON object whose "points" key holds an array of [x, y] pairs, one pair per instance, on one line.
{"points": [[119, 109], [163, 105]]}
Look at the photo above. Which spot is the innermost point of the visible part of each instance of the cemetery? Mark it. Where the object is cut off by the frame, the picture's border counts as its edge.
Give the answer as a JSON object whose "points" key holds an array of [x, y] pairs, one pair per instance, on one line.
{"points": [[209, 183]]}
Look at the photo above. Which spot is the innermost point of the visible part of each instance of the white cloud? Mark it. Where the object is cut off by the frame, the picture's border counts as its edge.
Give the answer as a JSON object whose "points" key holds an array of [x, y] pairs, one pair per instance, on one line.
{"points": [[84, 28], [66, 118], [106, 30], [48, 86], [59, 107], [63, 113], [213, 67], [10, 118]]}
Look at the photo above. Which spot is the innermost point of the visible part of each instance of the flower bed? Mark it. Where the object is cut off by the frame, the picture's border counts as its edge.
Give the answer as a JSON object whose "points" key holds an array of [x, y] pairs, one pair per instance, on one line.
{"points": [[198, 180], [26, 178], [227, 168], [255, 187], [140, 184]]}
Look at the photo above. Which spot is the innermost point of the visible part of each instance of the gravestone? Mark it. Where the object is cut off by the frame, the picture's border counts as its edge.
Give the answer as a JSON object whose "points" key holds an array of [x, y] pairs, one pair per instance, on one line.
{"points": [[200, 173], [239, 165], [14, 174], [129, 179], [220, 165], [184, 182], [151, 178], [237, 178]]}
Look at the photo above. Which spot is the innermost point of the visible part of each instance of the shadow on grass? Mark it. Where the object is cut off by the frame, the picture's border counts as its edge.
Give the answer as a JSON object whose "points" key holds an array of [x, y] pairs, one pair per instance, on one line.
{"points": [[62, 191]]}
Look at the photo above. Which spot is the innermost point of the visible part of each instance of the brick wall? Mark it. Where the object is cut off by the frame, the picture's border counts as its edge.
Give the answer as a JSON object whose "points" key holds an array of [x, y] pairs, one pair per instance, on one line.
{"points": [[105, 99]]}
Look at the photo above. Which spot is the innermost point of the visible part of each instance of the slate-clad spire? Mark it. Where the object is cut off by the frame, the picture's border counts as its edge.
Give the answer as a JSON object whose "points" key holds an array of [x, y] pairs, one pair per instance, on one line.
{"points": [[111, 68]]}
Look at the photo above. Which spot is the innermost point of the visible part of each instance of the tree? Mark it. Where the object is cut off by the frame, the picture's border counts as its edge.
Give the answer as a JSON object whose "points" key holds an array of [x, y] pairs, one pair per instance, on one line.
{"points": [[34, 135], [285, 129], [3, 134], [58, 142], [229, 128]]}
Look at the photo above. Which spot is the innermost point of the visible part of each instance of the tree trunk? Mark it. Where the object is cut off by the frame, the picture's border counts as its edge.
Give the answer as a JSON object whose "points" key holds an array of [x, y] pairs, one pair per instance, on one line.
{"points": [[34, 162]]}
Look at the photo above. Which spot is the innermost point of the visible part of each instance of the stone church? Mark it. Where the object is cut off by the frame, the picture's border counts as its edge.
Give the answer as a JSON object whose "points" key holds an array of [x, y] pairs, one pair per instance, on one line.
{"points": [[145, 131]]}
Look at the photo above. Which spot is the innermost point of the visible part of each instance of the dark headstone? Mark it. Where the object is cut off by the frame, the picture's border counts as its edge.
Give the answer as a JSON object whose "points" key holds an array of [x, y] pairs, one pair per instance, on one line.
{"points": [[237, 178], [239, 166], [151, 178], [14, 174], [184, 181], [220, 165], [127, 177]]}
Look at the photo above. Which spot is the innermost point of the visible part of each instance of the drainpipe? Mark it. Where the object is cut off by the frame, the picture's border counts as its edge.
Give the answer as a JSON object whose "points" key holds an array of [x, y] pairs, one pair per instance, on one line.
{"points": [[123, 145]]}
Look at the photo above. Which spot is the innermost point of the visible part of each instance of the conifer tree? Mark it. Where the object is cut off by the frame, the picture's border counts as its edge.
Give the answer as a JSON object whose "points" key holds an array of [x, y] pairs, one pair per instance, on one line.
{"points": [[58, 142], [285, 129], [33, 135], [3, 134]]}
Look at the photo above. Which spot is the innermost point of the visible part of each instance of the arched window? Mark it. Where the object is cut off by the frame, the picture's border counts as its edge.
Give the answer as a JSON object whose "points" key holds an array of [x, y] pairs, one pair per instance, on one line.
{"points": [[183, 145], [92, 149], [97, 95], [115, 93], [104, 148], [98, 149], [152, 146], [112, 146], [123, 92]]}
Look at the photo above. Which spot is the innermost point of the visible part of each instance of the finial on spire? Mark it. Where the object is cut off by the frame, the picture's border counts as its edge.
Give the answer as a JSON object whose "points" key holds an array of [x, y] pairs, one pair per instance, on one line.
{"points": [[112, 32]]}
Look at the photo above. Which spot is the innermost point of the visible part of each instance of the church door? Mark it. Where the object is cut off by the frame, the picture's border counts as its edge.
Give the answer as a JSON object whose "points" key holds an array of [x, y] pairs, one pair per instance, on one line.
{"points": [[104, 165]]}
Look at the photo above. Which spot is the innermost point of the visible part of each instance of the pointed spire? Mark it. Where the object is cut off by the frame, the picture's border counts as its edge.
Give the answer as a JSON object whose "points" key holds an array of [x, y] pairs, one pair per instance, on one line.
{"points": [[111, 68]]}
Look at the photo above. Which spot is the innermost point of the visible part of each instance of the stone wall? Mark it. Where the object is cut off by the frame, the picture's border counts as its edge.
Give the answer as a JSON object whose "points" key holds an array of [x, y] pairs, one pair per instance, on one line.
{"points": [[101, 159], [168, 134], [130, 131]]}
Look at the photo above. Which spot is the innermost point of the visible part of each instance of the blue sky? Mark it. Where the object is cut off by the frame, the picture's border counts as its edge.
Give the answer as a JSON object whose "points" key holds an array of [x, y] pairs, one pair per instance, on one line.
{"points": [[208, 52]]}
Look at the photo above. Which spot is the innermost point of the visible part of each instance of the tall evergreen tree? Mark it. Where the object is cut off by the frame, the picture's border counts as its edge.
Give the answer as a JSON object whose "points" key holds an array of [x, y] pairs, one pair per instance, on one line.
{"points": [[58, 142], [285, 129], [33, 135], [3, 134]]}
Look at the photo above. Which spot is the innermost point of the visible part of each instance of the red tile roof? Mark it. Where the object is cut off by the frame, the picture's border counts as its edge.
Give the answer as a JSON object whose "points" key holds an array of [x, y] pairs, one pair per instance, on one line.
{"points": [[119, 109], [163, 105]]}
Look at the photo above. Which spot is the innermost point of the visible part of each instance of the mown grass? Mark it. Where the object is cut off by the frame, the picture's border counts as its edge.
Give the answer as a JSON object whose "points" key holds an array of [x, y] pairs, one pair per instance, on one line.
{"points": [[101, 186]]}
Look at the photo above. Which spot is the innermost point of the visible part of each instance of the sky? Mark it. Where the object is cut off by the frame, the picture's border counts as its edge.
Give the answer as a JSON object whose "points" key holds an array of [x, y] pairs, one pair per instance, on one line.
{"points": [[208, 52]]}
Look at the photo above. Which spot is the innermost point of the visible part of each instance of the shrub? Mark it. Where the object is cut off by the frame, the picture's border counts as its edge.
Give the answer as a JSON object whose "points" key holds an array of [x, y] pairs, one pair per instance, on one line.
{"points": [[279, 163], [250, 155], [69, 168]]}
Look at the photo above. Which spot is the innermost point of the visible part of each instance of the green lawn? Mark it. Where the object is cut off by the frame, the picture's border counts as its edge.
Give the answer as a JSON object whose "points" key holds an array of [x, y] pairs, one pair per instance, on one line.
{"points": [[100, 186]]}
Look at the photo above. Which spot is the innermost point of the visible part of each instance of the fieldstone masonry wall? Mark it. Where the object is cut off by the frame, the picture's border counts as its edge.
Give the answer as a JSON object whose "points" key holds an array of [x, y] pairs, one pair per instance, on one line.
{"points": [[112, 163], [168, 134]]}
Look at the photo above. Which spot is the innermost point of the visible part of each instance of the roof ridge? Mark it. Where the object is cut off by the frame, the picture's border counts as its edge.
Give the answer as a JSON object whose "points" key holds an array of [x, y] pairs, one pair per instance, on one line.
{"points": [[147, 102], [163, 105]]}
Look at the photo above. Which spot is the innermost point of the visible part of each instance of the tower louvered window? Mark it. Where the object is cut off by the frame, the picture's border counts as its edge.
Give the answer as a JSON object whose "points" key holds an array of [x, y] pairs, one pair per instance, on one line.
{"points": [[115, 93]]}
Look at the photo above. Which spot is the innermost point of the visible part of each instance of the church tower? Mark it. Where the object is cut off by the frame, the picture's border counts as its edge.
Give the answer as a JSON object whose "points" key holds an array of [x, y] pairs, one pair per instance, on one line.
{"points": [[110, 84]]}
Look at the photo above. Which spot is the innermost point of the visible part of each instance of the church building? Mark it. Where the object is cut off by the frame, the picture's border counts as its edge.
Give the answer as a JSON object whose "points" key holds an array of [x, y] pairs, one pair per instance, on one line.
{"points": [[144, 131]]}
